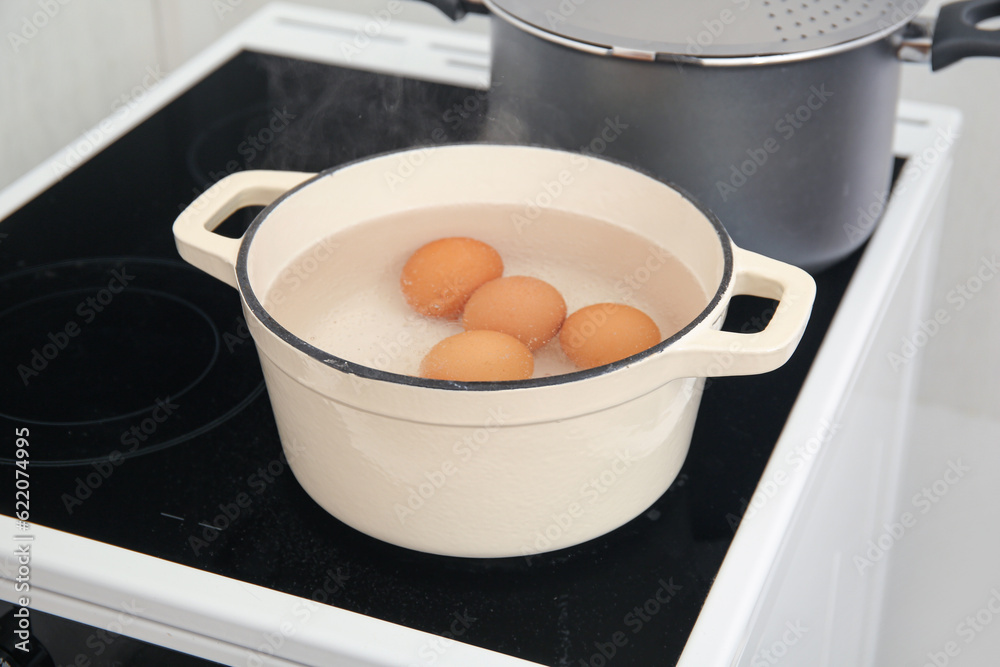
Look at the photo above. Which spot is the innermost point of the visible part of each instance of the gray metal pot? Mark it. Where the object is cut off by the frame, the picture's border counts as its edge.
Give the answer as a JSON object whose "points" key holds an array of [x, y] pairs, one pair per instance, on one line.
{"points": [[777, 115]]}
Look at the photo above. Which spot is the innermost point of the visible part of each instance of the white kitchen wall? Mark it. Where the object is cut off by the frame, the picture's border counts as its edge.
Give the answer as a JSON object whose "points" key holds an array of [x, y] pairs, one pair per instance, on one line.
{"points": [[190, 25], [962, 363], [63, 66], [65, 63]]}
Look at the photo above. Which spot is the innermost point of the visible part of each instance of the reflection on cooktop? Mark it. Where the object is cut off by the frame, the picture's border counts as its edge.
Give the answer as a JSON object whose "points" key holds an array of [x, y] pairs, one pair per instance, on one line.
{"points": [[118, 353]]}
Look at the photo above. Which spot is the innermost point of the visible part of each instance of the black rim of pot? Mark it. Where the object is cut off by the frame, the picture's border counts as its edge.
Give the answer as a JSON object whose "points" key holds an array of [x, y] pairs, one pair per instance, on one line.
{"points": [[360, 370]]}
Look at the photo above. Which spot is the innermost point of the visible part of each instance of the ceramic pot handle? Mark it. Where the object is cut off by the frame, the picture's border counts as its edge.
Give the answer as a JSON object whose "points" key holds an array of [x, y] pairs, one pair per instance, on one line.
{"points": [[711, 353], [210, 252]]}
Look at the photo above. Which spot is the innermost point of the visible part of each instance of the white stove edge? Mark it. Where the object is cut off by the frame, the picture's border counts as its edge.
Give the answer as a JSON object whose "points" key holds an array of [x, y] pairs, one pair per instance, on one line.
{"points": [[236, 623], [214, 617], [723, 627]]}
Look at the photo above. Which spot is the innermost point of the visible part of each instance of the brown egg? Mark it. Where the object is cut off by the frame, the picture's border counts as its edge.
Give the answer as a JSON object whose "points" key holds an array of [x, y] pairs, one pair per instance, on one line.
{"points": [[474, 356], [606, 332], [440, 276], [527, 308]]}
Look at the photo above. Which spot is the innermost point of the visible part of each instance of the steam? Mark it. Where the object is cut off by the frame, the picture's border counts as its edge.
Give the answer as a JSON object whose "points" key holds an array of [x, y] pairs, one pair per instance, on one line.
{"points": [[342, 114]]}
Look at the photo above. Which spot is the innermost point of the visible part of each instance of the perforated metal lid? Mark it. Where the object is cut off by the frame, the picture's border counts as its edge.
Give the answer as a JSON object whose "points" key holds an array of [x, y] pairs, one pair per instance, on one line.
{"points": [[708, 29]]}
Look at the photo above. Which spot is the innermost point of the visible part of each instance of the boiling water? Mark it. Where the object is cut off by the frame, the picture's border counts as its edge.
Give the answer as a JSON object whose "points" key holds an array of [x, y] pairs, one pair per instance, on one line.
{"points": [[343, 294]]}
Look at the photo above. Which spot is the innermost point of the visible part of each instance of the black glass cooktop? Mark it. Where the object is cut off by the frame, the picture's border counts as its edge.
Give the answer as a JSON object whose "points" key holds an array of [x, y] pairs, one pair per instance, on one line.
{"points": [[151, 428]]}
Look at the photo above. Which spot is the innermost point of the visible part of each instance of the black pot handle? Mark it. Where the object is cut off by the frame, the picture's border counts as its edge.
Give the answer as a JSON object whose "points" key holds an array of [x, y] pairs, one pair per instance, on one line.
{"points": [[456, 9], [956, 35]]}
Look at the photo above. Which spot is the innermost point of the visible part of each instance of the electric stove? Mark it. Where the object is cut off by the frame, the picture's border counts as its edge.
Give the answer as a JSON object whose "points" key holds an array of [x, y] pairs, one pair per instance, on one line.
{"points": [[161, 506]]}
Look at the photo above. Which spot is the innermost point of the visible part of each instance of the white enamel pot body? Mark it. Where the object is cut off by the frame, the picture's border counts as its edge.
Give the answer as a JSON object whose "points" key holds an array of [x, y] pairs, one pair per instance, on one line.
{"points": [[488, 469]]}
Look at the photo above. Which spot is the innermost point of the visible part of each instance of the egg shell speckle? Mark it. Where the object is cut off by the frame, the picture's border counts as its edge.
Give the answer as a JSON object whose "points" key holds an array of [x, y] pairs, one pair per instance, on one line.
{"points": [[527, 308], [478, 356], [440, 276], [605, 332]]}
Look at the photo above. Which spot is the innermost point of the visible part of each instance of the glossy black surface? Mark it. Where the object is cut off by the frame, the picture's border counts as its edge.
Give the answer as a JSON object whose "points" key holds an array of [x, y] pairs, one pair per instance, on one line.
{"points": [[150, 427]]}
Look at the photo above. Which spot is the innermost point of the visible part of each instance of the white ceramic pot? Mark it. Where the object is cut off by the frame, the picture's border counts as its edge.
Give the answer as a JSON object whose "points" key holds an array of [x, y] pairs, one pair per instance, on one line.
{"points": [[489, 469]]}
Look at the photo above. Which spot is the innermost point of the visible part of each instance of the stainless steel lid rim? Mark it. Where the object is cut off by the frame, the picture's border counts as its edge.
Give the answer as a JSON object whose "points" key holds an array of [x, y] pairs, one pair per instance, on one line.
{"points": [[704, 44]]}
